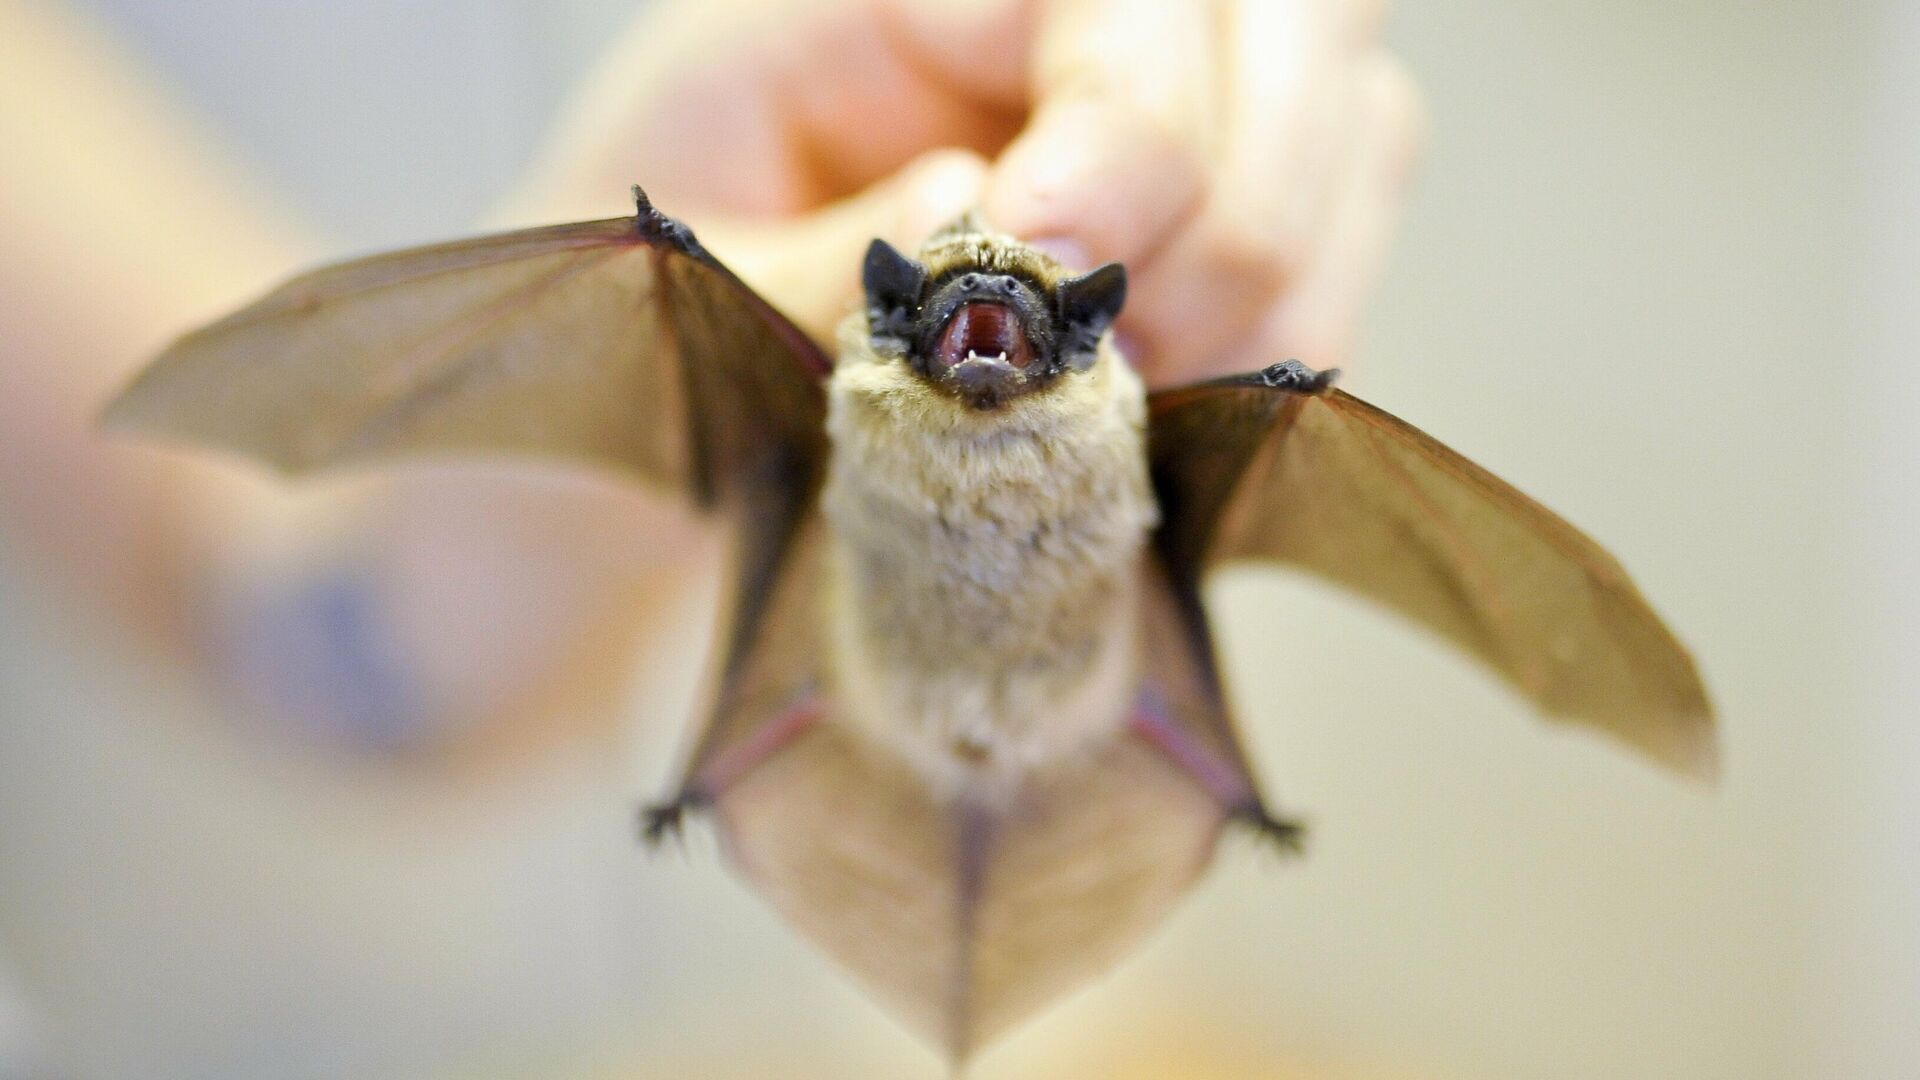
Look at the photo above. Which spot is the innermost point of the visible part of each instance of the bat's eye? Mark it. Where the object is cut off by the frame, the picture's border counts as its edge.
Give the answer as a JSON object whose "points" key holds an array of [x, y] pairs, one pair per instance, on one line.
{"points": [[983, 330]]}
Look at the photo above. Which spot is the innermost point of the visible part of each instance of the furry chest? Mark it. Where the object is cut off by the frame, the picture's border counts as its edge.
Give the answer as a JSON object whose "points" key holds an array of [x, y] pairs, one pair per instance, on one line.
{"points": [[983, 567]]}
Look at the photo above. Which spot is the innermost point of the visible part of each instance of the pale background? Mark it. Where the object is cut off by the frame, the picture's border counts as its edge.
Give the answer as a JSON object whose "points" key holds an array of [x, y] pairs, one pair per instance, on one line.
{"points": [[1660, 271]]}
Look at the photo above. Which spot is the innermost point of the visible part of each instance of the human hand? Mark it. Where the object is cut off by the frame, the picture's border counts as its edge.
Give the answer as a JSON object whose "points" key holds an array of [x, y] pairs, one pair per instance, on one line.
{"points": [[1220, 165], [1244, 158]]}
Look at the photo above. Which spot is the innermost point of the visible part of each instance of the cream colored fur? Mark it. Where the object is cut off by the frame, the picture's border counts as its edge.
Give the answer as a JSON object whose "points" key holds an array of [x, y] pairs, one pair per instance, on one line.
{"points": [[984, 566]]}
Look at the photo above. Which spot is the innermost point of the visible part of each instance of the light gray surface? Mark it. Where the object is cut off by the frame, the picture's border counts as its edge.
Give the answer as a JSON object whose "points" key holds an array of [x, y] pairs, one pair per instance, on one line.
{"points": [[20, 1039], [385, 123], [1866, 979]]}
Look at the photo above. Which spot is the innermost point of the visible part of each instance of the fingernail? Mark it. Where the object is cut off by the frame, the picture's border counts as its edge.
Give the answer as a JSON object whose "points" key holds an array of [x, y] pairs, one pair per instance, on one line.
{"points": [[1071, 253]]}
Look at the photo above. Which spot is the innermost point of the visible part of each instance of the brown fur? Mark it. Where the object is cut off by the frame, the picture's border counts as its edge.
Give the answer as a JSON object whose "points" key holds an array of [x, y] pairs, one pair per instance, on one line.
{"points": [[983, 567], [967, 242]]}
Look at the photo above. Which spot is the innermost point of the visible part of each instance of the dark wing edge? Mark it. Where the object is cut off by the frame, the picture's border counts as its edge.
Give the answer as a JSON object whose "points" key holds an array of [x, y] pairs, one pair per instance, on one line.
{"points": [[620, 343], [1329, 484]]}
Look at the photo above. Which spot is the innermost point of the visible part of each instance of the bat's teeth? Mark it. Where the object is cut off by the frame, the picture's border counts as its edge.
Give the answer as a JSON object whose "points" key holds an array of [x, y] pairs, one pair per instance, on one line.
{"points": [[971, 355]]}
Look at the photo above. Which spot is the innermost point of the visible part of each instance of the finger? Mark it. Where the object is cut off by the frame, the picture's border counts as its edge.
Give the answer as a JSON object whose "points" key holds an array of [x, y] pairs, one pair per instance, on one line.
{"points": [[872, 85], [1287, 113], [1114, 156], [932, 191], [1291, 113], [1192, 304], [1317, 320], [980, 49], [809, 265], [774, 108]]}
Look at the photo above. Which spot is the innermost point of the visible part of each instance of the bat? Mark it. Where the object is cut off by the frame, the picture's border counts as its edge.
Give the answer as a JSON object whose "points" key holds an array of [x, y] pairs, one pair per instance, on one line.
{"points": [[969, 734]]}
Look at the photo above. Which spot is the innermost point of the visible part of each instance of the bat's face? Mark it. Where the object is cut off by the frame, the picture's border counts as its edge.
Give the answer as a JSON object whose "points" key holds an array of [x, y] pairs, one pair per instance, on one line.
{"points": [[985, 318]]}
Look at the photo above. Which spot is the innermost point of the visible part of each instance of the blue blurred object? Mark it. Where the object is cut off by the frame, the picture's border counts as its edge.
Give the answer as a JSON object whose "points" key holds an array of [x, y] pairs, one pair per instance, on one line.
{"points": [[319, 654]]}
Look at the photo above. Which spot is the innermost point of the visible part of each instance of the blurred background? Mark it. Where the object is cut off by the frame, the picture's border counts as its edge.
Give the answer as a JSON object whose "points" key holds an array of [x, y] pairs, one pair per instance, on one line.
{"points": [[1658, 271]]}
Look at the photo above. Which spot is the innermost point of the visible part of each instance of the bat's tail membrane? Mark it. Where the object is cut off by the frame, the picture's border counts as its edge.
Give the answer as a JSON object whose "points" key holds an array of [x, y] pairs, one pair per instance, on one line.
{"points": [[965, 920]]}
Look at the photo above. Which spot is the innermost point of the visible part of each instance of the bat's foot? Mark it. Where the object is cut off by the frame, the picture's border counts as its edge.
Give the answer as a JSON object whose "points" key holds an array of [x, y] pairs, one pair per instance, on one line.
{"points": [[1298, 377], [1223, 777], [664, 821], [1285, 834]]}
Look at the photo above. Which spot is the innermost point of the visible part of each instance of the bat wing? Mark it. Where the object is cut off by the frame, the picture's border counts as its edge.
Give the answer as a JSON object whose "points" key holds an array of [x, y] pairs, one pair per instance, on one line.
{"points": [[1250, 468], [619, 342]]}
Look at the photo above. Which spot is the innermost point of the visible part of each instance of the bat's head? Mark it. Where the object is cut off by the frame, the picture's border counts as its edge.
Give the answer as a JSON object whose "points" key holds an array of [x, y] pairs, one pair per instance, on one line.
{"points": [[985, 318]]}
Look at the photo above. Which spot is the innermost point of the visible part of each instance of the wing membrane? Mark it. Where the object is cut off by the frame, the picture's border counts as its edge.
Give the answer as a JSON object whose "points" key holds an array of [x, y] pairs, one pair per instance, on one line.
{"points": [[1337, 487], [617, 342]]}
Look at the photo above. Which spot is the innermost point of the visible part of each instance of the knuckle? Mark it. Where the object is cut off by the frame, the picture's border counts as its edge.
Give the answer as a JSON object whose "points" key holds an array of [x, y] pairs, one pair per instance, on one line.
{"points": [[1173, 154], [1251, 247], [1262, 261], [1149, 181]]}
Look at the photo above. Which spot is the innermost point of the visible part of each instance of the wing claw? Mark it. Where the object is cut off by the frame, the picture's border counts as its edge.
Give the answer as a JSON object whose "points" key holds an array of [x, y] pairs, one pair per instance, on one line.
{"points": [[654, 225], [1320, 479], [615, 343], [1298, 377]]}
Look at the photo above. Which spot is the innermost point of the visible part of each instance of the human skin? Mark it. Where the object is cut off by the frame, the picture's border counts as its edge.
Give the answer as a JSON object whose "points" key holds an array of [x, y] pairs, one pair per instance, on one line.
{"points": [[1243, 158]]}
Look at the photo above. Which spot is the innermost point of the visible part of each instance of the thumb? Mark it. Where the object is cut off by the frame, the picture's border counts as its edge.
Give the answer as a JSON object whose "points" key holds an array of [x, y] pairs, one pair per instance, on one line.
{"points": [[809, 266], [905, 208]]}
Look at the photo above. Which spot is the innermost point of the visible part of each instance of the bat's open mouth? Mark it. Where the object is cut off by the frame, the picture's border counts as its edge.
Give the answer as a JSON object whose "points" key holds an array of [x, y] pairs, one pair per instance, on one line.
{"points": [[985, 351], [981, 332]]}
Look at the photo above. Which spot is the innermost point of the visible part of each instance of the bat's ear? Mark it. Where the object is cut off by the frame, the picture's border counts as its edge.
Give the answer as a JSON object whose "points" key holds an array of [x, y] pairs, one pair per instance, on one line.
{"points": [[893, 283], [1088, 305]]}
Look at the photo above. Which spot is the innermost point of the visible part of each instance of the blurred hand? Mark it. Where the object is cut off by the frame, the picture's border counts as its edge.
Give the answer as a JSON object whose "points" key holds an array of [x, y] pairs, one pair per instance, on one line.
{"points": [[1244, 158]]}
